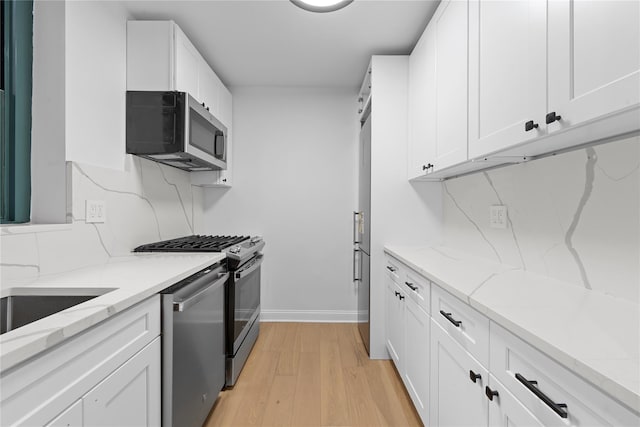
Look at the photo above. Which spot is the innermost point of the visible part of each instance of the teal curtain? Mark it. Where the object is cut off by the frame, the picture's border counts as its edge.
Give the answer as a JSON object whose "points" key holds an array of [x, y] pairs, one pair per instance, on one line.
{"points": [[17, 53]]}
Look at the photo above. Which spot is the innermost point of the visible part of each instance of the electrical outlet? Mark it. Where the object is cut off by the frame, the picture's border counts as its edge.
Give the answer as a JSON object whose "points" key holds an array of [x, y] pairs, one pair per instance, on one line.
{"points": [[96, 211], [498, 216]]}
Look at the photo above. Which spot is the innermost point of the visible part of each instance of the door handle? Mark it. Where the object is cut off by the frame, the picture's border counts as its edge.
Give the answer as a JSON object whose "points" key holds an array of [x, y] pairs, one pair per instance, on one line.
{"points": [[355, 270], [355, 227], [194, 298]]}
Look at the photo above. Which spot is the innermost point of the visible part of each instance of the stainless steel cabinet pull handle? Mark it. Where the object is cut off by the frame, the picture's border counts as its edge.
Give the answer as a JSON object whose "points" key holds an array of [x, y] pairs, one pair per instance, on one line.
{"points": [[558, 408]]}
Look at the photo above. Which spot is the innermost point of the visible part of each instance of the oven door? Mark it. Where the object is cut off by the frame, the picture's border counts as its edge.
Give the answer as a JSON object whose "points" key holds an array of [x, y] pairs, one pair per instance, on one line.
{"points": [[244, 303]]}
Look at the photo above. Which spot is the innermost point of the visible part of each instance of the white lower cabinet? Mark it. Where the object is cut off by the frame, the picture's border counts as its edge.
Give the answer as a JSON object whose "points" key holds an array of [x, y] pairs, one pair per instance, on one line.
{"points": [[408, 332], [106, 375], [416, 359], [457, 384], [462, 369], [71, 417], [130, 395], [395, 320], [505, 410]]}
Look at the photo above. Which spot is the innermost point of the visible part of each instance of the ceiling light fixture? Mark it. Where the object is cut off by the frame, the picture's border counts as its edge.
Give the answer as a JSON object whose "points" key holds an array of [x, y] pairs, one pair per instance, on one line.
{"points": [[321, 5]]}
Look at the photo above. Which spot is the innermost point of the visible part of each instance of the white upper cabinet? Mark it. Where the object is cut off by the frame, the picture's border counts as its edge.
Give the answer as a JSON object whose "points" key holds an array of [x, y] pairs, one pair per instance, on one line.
{"points": [[438, 92], [161, 57], [507, 73], [187, 65], [451, 83], [594, 59], [538, 68], [422, 105]]}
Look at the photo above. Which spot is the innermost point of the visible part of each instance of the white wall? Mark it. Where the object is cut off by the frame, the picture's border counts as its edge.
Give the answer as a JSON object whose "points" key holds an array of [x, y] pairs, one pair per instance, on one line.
{"points": [[573, 217], [96, 74], [294, 182]]}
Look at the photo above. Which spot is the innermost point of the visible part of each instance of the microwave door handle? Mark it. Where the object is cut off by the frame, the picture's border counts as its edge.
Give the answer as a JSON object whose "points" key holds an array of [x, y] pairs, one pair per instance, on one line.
{"points": [[246, 271], [192, 299]]}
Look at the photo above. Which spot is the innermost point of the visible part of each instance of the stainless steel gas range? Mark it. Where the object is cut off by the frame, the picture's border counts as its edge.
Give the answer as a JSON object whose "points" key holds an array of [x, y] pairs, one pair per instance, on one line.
{"points": [[183, 334]]}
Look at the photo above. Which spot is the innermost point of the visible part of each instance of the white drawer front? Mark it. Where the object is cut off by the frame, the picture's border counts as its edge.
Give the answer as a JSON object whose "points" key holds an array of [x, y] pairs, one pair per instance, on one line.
{"points": [[514, 362], [467, 326], [395, 270], [419, 289]]}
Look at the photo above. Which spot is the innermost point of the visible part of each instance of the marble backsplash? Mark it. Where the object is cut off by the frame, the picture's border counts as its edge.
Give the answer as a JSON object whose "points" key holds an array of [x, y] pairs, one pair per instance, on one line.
{"points": [[573, 216], [144, 203]]}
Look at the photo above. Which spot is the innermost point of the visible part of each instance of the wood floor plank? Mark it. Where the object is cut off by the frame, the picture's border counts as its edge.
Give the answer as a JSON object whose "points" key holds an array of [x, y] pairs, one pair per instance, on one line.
{"points": [[251, 409], [305, 374], [279, 409], [310, 334], [306, 404], [334, 410], [362, 407], [289, 351]]}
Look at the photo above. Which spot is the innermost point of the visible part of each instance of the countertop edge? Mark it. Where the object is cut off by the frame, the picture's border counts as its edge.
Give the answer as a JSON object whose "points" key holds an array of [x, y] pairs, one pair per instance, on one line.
{"points": [[120, 299], [625, 396]]}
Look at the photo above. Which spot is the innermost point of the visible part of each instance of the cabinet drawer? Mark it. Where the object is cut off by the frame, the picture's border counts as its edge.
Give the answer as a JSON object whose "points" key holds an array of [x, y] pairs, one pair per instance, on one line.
{"points": [[467, 326], [395, 270], [533, 377], [418, 288]]}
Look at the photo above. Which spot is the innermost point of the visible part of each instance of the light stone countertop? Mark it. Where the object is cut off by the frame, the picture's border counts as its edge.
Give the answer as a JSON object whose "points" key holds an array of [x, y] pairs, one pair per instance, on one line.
{"points": [[597, 336], [126, 280]]}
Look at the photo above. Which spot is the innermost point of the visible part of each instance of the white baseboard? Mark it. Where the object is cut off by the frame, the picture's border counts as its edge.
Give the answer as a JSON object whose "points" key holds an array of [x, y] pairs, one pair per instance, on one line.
{"points": [[315, 316]]}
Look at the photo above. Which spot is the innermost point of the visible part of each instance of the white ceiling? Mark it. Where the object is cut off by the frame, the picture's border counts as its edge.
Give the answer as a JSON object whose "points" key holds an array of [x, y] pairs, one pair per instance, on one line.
{"points": [[274, 43]]}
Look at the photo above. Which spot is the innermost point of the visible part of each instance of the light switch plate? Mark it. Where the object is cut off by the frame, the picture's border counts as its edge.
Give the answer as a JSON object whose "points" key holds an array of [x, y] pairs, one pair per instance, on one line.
{"points": [[96, 211], [498, 216]]}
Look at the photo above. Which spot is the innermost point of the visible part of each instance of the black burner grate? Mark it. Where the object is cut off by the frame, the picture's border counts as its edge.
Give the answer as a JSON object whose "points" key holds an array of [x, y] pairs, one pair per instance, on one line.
{"points": [[195, 243]]}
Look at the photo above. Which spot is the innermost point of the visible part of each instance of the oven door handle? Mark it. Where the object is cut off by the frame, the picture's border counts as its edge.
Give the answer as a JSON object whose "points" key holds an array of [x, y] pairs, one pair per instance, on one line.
{"points": [[197, 296], [250, 269]]}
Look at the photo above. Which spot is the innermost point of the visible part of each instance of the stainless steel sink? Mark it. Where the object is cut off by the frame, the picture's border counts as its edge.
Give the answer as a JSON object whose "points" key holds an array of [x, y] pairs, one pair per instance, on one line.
{"points": [[20, 310]]}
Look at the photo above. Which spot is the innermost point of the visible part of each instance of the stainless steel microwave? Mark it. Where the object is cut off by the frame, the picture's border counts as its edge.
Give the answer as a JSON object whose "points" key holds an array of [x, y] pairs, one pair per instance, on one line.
{"points": [[174, 129]]}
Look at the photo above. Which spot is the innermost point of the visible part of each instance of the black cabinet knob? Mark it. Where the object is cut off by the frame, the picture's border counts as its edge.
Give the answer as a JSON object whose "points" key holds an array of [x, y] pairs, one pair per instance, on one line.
{"points": [[490, 393], [473, 376], [427, 166], [401, 297], [552, 117], [530, 125], [397, 293]]}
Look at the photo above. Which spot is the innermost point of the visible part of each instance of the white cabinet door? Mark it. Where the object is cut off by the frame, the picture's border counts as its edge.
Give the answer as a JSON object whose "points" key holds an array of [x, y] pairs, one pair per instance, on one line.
{"points": [[187, 63], [455, 399], [594, 59], [438, 92], [226, 117], [451, 29], [71, 417], [505, 410], [395, 323], [507, 73], [209, 87], [416, 376], [422, 105], [129, 396]]}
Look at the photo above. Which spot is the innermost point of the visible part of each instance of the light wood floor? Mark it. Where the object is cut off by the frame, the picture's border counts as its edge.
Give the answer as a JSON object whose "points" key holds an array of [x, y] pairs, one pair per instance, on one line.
{"points": [[313, 374]]}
